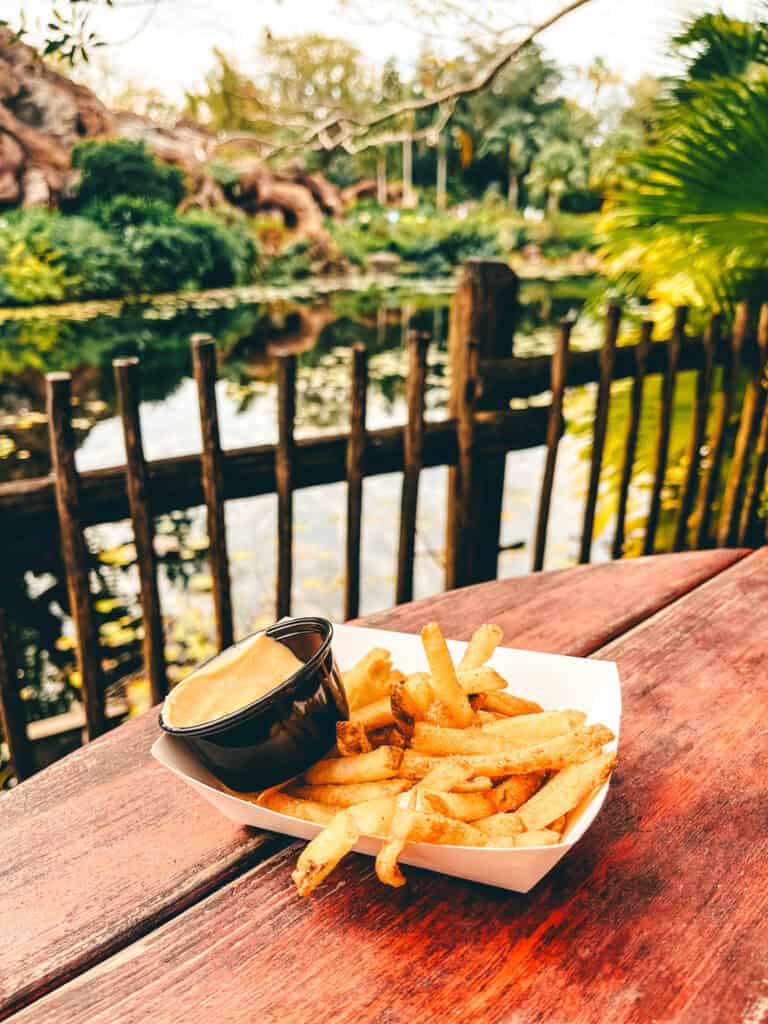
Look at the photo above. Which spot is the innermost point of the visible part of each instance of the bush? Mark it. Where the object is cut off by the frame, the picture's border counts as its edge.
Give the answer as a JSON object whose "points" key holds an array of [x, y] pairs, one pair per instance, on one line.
{"points": [[99, 264], [120, 212], [30, 271], [170, 255], [123, 167], [230, 250]]}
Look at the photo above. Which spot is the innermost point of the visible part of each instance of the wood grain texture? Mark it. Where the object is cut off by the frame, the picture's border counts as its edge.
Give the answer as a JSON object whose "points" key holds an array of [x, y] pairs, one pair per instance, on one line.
{"points": [[413, 454], [74, 551], [142, 522], [641, 350], [704, 378], [607, 360], [665, 426], [355, 473], [105, 845], [656, 915], [212, 469], [559, 374]]}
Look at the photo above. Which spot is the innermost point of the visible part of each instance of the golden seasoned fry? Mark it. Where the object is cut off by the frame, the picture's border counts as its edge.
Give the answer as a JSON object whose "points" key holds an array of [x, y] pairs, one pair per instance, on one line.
{"points": [[375, 715], [429, 827], [438, 714], [410, 700], [558, 825], [524, 729], [403, 821], [352, 793], [565, 790], [351, 738], [540, 837], [415, 765], [514, 791], [500, 825], [445, 774], [381, 763], [482, 645], [463, 806], [476, 785], [444, 682], [481, 680], [308, 810], [505, 704], [368, 679]]}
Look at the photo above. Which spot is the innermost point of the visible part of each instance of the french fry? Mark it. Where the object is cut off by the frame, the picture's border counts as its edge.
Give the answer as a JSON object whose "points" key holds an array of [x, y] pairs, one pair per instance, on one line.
{"points": [[480, 680], [554, 754], [504, 824], [445, 774], [381, 763], [514, 791], [505, 704], [482, 645], [476, 785], [542, 725], [558, 825], [389, 736], [403, 822], [351, 738], [321, 855], [352, 793], [429, 827], [410, 700], [463, 806], [565, 790], [540, 837], [308, 810], [444, 682], [375, 715], [485, 717], [368, 679]]}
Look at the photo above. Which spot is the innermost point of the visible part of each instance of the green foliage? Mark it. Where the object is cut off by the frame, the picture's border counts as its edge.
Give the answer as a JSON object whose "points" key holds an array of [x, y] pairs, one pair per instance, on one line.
{"points": [[123, 211], [97, 263], [123, 167], [230, 251], [170, 255], [30, 270]]}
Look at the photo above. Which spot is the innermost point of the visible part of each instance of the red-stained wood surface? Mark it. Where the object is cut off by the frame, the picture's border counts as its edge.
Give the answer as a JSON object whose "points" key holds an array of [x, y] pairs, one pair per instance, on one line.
{"points": [[103, 847]]}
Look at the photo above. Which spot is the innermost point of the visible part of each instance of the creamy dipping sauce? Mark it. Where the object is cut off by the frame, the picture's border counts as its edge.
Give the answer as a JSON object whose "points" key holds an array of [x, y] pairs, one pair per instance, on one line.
{"points": [[231, 681]]}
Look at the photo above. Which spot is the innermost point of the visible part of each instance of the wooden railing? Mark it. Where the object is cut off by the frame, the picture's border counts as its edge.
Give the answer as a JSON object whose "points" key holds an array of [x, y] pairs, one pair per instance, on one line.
{"points": [[473, 443]]}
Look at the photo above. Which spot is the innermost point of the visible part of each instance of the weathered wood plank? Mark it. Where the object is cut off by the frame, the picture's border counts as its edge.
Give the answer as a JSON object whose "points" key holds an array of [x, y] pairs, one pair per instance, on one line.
{"points": [[751, 414], [153, 643], [559, 373], [665, 425], [600, 425], [630, 441], [711, 475], [284, 474], [12, 717], [73, 548], [118, 845], [413, 441], [175, 483], [212, 466], [664, 896], [704, 379], [355, 473]]}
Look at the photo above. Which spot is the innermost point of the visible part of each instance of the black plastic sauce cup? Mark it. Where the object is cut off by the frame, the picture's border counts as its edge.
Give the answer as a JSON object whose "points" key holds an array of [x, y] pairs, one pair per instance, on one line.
{"points": [[286, 730]]}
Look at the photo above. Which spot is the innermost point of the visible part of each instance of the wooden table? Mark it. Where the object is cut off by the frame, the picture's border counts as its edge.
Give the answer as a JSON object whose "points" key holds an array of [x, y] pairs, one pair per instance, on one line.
{"points": [[125, 898]]}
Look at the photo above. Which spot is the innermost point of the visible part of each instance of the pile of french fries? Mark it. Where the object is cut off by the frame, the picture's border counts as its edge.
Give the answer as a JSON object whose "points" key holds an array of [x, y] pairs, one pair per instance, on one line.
{"points": [[447, 757]]}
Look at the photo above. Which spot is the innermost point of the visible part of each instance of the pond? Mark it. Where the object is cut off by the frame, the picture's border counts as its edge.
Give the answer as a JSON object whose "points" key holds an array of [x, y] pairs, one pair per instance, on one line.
{"points": [[320, 325]]}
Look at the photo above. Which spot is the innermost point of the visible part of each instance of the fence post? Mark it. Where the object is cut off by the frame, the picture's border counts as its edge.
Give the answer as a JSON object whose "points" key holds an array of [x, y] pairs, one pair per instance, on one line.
{"points": [[482, 323]]}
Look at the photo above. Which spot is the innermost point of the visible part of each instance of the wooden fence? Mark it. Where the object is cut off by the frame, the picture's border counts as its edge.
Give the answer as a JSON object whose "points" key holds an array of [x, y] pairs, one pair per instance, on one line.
{"points": [[473, 443]]}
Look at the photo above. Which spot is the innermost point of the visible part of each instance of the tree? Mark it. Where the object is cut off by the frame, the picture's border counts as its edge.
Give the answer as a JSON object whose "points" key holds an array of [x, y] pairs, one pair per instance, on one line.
{"points": [[559, 166]]}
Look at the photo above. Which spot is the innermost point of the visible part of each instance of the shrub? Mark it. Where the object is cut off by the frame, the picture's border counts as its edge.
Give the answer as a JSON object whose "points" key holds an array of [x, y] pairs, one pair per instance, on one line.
{"points": [[124, 167], [30, 271], [121, 212], [170, 255], [100, 265], [230, 250]]}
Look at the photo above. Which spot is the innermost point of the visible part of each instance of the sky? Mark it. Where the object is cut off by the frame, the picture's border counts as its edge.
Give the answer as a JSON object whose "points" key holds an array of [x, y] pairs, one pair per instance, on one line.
{"points": [[167, 44]]}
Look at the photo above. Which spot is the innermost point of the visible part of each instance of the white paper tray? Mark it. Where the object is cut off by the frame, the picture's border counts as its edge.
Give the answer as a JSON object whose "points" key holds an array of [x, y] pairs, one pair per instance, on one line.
{"points": [[552, 680]]}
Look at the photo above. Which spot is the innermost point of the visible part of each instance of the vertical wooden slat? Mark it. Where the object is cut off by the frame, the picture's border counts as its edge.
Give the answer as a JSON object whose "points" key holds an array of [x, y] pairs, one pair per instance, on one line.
{"points": [[413, 443], [355, 469], [704, 379], [749, 532], [630, 441], [127, 384], [749, 424], [607, 359], [482, 322], [286, 415], [711, 475], [665, 422], [73, 548], [204, 367], [559, 374], [12, 717]]}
